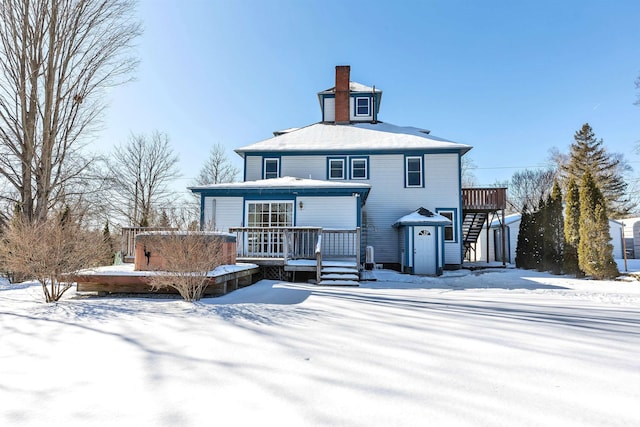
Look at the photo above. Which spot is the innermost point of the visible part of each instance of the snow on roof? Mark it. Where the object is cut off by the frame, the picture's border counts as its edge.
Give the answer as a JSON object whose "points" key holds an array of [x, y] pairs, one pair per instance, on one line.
{"points": [[357, 136], [353, 87], [422, 216], [284, 183], [508, 219]]}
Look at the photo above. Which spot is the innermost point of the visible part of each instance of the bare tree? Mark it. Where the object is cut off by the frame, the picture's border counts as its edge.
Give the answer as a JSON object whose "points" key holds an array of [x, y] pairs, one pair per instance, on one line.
{"points": [[218, 168], [468, 178], [51, 251], [187, 260], [141, 172], [528, 187], [56, 59]]}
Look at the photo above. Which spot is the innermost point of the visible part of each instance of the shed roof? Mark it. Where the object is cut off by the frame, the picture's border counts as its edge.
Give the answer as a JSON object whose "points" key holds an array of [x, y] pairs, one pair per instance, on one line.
{"points": [[366, 137], [286, 185]]}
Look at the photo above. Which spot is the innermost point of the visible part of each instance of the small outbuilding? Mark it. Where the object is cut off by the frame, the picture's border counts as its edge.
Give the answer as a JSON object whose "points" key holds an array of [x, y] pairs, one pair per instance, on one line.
{"points": [[421, 237]]}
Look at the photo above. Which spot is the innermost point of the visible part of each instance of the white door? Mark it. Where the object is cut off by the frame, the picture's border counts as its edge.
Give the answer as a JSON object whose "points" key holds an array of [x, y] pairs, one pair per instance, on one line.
{"points": [[424, 250]]}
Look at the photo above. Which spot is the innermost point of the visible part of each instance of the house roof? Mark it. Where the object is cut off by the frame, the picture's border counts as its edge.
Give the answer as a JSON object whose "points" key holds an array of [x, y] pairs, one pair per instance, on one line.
{"points": [[422, 216], [353, 87], [286, 185], [366, 137]]}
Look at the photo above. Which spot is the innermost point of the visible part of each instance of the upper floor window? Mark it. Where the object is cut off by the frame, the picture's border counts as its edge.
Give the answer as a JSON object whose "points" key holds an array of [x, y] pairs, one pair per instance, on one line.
{"points": [[271, 168], [363, 106], [359, 169], [336, 169], [413, 171]]}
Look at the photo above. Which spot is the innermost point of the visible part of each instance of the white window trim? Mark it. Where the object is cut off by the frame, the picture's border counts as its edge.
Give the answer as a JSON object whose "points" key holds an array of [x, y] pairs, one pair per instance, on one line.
{"points": [[264, 167], [406, 171], [344, 167], [366, 167], [368, 106]]}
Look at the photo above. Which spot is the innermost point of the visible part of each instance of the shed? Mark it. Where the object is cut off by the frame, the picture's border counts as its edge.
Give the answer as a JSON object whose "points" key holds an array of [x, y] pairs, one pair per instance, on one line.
{"points": [[421, 237]]}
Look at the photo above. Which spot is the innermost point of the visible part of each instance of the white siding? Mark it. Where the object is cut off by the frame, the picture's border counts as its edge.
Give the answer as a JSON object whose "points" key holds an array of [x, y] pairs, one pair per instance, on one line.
{"points": [[228, 213], [327, 212], [309, 167], [253, 168], [329, 109], [615, 230], [389, 200]]}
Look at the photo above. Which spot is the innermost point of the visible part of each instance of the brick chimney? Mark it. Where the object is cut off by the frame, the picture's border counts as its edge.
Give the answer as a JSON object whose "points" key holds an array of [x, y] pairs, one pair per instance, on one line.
{"points": [[342, 94]]}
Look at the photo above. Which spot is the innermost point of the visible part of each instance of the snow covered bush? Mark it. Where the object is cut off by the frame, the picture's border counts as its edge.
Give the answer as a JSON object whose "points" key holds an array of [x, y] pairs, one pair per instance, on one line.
{"points": [[50, 251]]}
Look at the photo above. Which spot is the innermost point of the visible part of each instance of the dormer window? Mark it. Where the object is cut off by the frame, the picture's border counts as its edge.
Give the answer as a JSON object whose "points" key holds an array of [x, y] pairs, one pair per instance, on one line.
{"points": [[363, 106]]}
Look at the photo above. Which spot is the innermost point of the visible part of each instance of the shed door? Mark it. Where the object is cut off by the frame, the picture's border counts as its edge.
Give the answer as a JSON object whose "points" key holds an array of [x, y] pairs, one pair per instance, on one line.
{"points": [[424, 250]]}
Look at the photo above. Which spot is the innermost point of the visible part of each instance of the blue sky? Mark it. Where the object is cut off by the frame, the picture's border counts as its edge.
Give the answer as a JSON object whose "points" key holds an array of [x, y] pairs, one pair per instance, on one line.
{"points": [[511, 78]]}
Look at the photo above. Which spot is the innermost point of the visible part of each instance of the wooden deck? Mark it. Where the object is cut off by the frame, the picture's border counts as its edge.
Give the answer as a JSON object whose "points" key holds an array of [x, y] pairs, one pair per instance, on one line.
{"points": [[109, 280]]}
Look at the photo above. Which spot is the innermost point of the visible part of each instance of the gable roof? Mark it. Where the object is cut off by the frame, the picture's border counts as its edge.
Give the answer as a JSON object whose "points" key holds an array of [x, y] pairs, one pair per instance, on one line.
{"points": [[422, 216], [366, 137]]}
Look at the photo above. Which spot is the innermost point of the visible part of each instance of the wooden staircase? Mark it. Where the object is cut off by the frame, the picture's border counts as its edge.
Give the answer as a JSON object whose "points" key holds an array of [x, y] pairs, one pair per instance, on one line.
{"points": [[339, 273], [471, 228]]}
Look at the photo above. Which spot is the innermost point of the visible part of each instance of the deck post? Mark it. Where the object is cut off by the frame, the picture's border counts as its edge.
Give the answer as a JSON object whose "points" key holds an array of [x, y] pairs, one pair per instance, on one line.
{"points": [[358, 263]]}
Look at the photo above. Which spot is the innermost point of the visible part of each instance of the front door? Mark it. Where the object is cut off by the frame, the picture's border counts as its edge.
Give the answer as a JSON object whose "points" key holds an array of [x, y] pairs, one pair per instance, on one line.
{"points": [[424, 250]]}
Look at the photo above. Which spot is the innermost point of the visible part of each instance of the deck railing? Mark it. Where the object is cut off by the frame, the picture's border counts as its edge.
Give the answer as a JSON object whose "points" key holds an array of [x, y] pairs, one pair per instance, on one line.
{"points": [[484, 199], [128, 241], [296, 242]]}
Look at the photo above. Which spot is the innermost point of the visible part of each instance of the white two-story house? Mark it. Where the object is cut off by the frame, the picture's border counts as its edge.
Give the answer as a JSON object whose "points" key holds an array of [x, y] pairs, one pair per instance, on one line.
{"points": [[399, 187]]}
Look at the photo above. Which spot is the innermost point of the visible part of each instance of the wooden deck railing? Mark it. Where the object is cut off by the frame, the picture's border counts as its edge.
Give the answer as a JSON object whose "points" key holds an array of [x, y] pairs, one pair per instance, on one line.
{"points": [[296, 242], [484, 199], [128, 242]]}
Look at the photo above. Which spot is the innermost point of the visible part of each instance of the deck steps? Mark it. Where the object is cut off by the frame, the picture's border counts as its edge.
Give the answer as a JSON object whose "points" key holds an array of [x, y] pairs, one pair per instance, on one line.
{"points": [[339, 275]]}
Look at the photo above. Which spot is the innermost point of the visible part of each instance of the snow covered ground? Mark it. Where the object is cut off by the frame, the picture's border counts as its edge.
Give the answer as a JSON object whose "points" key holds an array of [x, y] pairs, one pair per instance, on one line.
{"points": [[496, 347]]}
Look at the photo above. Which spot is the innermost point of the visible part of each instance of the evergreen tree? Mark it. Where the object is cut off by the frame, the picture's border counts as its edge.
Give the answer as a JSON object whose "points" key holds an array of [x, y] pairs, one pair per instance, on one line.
{"points": [[523, 249], [572, 229], [588, 154], [108, 243], [536, 233], [595, 253], [554, 231]]}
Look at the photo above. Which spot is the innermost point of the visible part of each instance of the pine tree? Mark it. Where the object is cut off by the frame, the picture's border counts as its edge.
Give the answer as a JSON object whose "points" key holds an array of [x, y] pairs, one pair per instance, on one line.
{"points": [[589, 154], [572, 229], [553, 231], [595, 253], [523, 249], [536, 234], [108, 243]]}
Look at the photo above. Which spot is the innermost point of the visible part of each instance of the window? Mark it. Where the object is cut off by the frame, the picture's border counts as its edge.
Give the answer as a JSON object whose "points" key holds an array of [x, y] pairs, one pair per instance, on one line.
{"points": [[362, 106], [267, 242], [449, 230], [413, 171], [271, 168], [336, 169], [359, 169]]}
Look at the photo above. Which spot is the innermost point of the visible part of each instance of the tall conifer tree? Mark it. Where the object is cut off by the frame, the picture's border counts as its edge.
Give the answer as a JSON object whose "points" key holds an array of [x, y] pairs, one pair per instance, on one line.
{"points": [[595, 253], [553, 231], [523, 248], [572, 229], [587, 153]]}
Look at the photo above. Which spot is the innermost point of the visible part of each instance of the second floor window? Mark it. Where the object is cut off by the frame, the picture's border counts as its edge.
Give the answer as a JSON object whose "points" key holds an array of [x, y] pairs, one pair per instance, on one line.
{"points": [[336, 169], [271, 168], [359, 169], [413, 171]]}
